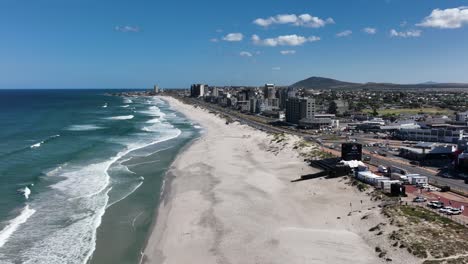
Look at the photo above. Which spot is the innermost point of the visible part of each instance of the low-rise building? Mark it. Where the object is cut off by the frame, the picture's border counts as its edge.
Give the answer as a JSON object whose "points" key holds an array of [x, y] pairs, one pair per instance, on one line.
{"points": [[431, 135], [428, 150]]}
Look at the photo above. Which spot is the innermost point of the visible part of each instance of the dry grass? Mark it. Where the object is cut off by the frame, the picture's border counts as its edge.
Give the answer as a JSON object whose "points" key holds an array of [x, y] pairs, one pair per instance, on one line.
{"points": [[428, 235]]}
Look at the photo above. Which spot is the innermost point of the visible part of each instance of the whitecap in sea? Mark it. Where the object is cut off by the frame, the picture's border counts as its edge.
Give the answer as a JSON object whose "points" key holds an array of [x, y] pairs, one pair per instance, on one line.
{"points": [[83, 127], [126, 117]]}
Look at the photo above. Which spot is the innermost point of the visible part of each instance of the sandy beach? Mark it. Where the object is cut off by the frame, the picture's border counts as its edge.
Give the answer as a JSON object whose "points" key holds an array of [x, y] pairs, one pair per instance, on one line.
{"points": [[229, 198]]}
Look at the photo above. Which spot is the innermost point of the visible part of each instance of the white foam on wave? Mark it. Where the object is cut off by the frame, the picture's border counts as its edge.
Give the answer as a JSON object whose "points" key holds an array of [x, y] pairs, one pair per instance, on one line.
{"points": [[105, 105], [158, 127], [70, 243], [13, 225], [83, 182], [128, 194], [83, 196], [89, 183], [124, 106], [126, 117], [26, 192], [153, 111], [127, 101], [197, 127], [166, 137], [154, 120], [56, 170], [83, 127], [155, 100], [37, 145]]}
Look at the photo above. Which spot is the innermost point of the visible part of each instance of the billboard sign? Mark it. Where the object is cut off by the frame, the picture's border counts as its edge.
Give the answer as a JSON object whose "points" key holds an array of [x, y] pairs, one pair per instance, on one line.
{"points": [[351, 151]]}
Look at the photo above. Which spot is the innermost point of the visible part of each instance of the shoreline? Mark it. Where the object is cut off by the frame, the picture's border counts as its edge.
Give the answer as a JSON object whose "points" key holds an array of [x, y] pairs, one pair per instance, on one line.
{"points": [[213, 213], [166, 191], [164, 194], [137, 207]]}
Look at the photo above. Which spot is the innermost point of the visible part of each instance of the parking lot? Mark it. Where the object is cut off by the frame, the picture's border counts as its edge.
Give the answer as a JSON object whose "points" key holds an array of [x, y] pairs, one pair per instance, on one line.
{"points": [[449, 199]]}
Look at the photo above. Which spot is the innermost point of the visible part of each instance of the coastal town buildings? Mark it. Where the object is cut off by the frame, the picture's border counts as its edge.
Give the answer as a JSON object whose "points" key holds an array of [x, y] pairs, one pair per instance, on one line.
{"points": [[197, 90]]}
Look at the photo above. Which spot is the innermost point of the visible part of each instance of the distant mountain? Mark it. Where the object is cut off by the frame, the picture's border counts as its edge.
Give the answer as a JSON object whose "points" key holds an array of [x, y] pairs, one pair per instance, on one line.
{"points": [[327, 83], [429, 83], [322, 83]]}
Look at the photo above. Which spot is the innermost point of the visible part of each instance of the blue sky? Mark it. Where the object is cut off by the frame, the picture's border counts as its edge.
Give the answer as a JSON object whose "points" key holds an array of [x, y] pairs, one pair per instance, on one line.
{"points": [[134, 44]]}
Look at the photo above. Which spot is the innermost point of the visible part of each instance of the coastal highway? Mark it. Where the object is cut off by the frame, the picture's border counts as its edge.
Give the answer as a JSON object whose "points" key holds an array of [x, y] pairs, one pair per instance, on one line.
{"points": [[376, 159]]}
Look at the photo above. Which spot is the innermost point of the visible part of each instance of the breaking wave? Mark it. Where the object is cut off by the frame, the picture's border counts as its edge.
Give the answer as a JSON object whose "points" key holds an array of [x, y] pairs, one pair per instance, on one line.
{"points": [[83, 127], [126, 117], [13, 225], [37, 145], [26, 192]]}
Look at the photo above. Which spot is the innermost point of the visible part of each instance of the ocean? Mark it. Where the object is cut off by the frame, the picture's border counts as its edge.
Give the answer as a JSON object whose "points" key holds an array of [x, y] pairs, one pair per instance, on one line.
{"points": [[81, 173]]}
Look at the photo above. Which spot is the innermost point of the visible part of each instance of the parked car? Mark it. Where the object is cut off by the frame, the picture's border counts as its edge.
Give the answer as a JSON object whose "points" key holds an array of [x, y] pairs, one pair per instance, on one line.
{"points": [[419, 199], [428, 187], [415, 163], [366, 158], [454, 211], [445, 210], [436, 204]]}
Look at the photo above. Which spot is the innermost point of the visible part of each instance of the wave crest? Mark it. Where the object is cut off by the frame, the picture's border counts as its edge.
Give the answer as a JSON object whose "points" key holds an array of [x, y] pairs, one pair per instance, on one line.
{"points": [[13, 225], [126, 117]]}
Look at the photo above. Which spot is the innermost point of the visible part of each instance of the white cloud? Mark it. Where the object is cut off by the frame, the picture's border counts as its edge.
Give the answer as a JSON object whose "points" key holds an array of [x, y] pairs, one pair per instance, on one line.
{"points": [[287, 40], [344, 33], [127, 29], [214, 40], [304, 20], [369, 30], [276, 68], [288, 52], [447, 18], [286, 19], [233, 37], [245, 54], [405, 34]]}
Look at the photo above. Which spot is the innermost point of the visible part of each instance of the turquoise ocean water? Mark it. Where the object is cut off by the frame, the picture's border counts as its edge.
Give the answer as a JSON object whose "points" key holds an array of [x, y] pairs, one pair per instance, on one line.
{"points": [[81, 173]]}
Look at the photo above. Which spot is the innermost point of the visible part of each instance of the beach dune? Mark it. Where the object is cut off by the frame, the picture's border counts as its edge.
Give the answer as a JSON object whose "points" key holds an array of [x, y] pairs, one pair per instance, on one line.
{"points": [[228, 198]]}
